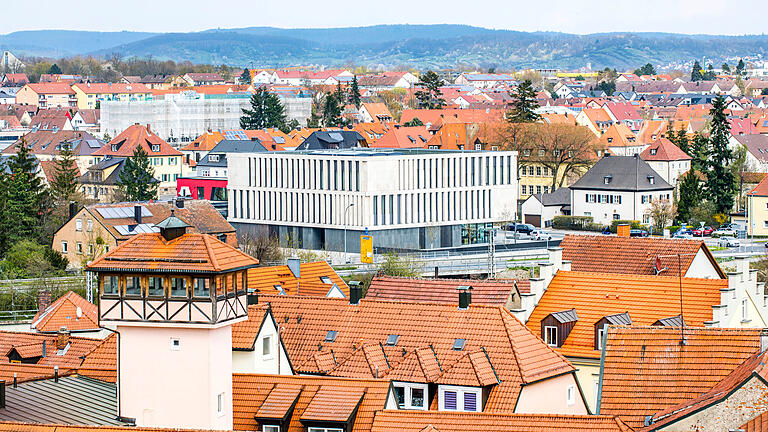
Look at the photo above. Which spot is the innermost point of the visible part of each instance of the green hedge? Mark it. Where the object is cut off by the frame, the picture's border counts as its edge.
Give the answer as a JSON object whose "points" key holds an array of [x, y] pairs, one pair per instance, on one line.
{"points": [[633, 224], [578, 223]]}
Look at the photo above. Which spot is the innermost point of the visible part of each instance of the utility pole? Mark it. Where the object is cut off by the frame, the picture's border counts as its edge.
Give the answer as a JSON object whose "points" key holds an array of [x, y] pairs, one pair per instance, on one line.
{"points": [[491, 255]]}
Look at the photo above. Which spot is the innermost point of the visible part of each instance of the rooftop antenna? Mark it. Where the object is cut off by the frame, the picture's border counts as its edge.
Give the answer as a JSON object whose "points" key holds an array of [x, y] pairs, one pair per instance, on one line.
{"points": [[682, 320]]}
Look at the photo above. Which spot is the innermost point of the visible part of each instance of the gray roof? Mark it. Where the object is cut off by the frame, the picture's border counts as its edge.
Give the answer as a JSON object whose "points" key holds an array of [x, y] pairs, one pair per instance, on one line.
{"points": [[72, 400], [225, 147], [619, 319], [675, 321], [104, 164], [565, 316], [623, 173], [340, 139], [560, 197]]}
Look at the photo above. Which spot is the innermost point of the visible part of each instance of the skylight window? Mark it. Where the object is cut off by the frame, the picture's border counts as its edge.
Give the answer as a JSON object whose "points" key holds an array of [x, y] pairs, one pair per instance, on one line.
{"points": [[392, 340], [331, 336], [325, 280], [458, 344]]}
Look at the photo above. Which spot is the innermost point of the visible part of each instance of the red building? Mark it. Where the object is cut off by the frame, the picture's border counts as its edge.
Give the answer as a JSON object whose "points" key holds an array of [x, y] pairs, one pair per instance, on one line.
{"points": [[208, 188]]}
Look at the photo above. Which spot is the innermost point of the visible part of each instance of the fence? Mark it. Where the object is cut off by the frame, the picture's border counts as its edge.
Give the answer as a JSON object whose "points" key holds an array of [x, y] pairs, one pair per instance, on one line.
{"points": [[18, 297]]}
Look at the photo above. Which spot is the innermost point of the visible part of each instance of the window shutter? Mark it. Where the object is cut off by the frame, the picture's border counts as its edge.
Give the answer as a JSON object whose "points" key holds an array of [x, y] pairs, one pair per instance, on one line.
{"points": [[450, 400], [470, 402]]}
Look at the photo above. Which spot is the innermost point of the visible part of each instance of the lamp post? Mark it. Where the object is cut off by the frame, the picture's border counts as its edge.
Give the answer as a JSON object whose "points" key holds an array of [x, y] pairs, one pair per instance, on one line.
{"points": [[346, 259]]}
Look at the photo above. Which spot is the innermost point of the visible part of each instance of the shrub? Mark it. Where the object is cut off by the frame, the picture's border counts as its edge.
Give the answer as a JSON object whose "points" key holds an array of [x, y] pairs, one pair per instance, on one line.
{"points": [[579, 223], [633, 224]]}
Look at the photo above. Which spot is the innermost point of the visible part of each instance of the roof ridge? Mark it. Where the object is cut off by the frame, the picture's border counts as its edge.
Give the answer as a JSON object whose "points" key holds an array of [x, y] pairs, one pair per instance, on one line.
{"points": [[211, 255]]}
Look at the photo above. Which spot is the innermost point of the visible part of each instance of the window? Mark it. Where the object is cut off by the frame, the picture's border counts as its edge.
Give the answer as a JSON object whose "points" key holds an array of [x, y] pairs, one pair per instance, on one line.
{"points": [[155, 287], [155, 147], [220, 404], [600, 335], [570, 395], [202, 287], [64, 246], [320, 429], [331, 336], [270, 428], [744, 310], [410, 395], [550, 335], [213, 158], [266, 346], [646, 219], [89, 225], [449, 400], [78, 224], [175, 344], [454, 398], [470, 402], [392, 340], [458, 344], [109, 285], [178, 287], [325, 280], [132, 286]]}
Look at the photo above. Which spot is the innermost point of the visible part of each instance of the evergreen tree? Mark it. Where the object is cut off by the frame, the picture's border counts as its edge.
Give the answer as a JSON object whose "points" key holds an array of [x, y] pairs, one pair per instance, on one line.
{"points": [[414, 122], [354, 93], [332, 111], [690, 196], [523, 104], [721, 184], [726, 68], [137, 178], [740, 67], [24, 198], [696, 74], [699, 151], [647, 69], [64, 184], [245, 77], [55, 70], [709, 75], [680, 139], [266, 112], [429, 95]]}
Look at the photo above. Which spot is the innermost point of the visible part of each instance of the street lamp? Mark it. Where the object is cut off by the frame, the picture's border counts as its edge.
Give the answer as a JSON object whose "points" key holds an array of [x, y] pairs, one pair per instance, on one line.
{"points": [[346, 259]]}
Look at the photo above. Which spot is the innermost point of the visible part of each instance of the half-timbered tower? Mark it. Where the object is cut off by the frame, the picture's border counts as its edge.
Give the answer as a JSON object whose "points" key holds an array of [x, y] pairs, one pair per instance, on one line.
{"points": [[173, 297]]}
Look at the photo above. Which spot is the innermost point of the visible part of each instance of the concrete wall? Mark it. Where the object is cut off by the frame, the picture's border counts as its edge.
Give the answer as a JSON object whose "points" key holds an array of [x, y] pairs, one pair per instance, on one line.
{"points": [[550, 396], [191, 377]]}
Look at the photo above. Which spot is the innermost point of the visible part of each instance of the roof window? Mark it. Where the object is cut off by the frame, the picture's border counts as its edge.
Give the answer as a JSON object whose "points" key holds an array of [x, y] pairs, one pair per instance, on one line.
{"points": [[331, 336], [607, 179], [653, 151], [155, 147], [325, 280], [458, 344], [392, 340], [651, 179]]}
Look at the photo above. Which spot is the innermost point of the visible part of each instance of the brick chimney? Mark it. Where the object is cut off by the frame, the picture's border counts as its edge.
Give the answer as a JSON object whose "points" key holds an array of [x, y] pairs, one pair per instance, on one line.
{"points": [[43, 300], [62, 339]]}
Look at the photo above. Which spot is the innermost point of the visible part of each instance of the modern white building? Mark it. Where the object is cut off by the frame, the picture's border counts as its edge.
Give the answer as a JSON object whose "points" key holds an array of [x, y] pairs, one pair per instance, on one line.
{"points": [[618, 188], [407, 199], [181, 118]]}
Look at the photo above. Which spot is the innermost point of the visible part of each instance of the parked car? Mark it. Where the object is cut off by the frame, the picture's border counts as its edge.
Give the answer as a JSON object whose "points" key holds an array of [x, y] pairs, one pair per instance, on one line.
{"points": [[683, 235], [540, 234], [724, 231], [521, 228], [728, 242], [682, 231], [701, 232], [638, 233]]}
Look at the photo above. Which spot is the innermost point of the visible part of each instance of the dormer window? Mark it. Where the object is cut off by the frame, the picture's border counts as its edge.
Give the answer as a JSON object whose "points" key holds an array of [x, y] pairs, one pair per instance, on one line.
{"points": [[607, 179], [651, 179], [155, 147], [556, 327], [213, 158], [603, 323], [610, 140], [653, 151], [114, 147]]}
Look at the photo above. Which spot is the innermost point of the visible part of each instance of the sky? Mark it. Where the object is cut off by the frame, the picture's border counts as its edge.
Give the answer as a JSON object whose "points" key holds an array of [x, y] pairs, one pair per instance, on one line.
{"points": [[590, 16]]}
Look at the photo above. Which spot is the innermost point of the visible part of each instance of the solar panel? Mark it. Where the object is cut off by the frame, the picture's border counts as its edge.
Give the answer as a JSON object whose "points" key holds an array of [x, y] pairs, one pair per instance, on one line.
{"points": [[237, 135], [336, 136], [136, 229], [121, 212], [279, 140]]}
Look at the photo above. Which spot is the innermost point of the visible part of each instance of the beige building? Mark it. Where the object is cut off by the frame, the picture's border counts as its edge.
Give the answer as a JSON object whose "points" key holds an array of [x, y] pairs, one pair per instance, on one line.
{"points": [[47, 95], [89, 94]]}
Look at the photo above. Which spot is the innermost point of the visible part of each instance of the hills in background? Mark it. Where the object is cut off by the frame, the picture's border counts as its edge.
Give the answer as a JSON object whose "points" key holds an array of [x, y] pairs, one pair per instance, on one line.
{"points": [[420, 46]]}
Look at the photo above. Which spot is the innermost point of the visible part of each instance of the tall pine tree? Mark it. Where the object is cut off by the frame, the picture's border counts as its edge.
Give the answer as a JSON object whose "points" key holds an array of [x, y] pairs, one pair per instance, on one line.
{"points": [[332, 109], [690, 196], [430, 96], [266, 112], [354, 93], [24, 199], [721, 183], [523, 104], [137, 179], [64, 185], [696, 74]]}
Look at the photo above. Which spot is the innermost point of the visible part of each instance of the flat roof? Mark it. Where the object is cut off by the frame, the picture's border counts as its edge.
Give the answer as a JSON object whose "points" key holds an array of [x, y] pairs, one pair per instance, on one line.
{"points": [[370, 152]]}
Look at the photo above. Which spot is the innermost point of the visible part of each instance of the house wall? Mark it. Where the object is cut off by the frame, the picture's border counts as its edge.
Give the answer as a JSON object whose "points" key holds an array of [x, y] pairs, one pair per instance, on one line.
{"points": [[256, 362], [757, 215], [532, 206], [588, 376], [191, 377], [631, 207], [746, 403], [702, 267], [670, 171], [550, 396], [72, 236]]}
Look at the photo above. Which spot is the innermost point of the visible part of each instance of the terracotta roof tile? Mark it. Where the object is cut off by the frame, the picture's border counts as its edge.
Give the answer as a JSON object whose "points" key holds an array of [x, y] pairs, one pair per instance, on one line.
{"points": [[137, 135], [52, 88], [79, 346], [444, 421], [645, 298], [647, 369], [112, 88], [205, 142], [319, 397], [310, 283], [757, 424], [27, 372], [487, 292], [279, 402], [189, 253], [70, 311], [663, 150], [101, 362], [612, 254], [518, 355], [30, 427]]}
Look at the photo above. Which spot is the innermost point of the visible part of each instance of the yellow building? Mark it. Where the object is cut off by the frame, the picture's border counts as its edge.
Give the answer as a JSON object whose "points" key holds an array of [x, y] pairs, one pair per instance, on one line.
{"points": [[88, 94], [757, 209]]}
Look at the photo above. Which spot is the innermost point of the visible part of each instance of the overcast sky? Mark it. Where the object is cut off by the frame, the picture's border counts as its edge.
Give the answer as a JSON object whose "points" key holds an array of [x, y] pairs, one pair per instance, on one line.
{"points": [[591, 16]]}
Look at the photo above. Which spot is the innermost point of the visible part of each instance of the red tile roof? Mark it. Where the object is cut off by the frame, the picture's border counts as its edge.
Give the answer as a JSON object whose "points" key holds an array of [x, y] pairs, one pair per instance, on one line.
{"points": [[663, 150], [757, 424], [112, 88], [185, 254], [137, 135], [445, 421], [310, 283], [427, 333], [52, 88], [403, 137], [645, 298], [647, 369], [440, 116], [78, 346], [761, 189], [320, 397], [487, 292], [205, 142], [101, 362], [626, 255], [70, 311]]}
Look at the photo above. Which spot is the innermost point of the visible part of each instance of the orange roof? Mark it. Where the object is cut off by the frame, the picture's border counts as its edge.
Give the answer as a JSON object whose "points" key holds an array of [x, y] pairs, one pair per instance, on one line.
{"points": [[647, 369], [618, 135], [36, 427], [70, 311], [403, 137], [653, 130], [312, 281], [488, 292], [426, 335], [612, 254], [204, 142], [455, 136], [189, 253], [761, 189], [378, 111], [645, 298], [28, 372], [597, 115], [134, 136], [692, 112], [757, 424], [663, 150], [101, 362], [334, 399], [446, 421], [78, 346], [51, 88], [440, 116], [112, 88]]}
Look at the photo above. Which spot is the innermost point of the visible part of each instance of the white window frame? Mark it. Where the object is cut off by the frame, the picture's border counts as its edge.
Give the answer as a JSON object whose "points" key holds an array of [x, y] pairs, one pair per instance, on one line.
{"points": [[270, 428], [175, 344], [600, 334], [64, 248], [220, 409], [547, 329], [266, 342], [460, 391], [570, 395], [78, 224], [408, 395], [322, 429]]}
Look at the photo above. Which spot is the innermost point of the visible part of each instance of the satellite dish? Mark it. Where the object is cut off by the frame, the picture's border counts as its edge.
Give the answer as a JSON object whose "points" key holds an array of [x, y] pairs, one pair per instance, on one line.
{"points": [[79, 312]]}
